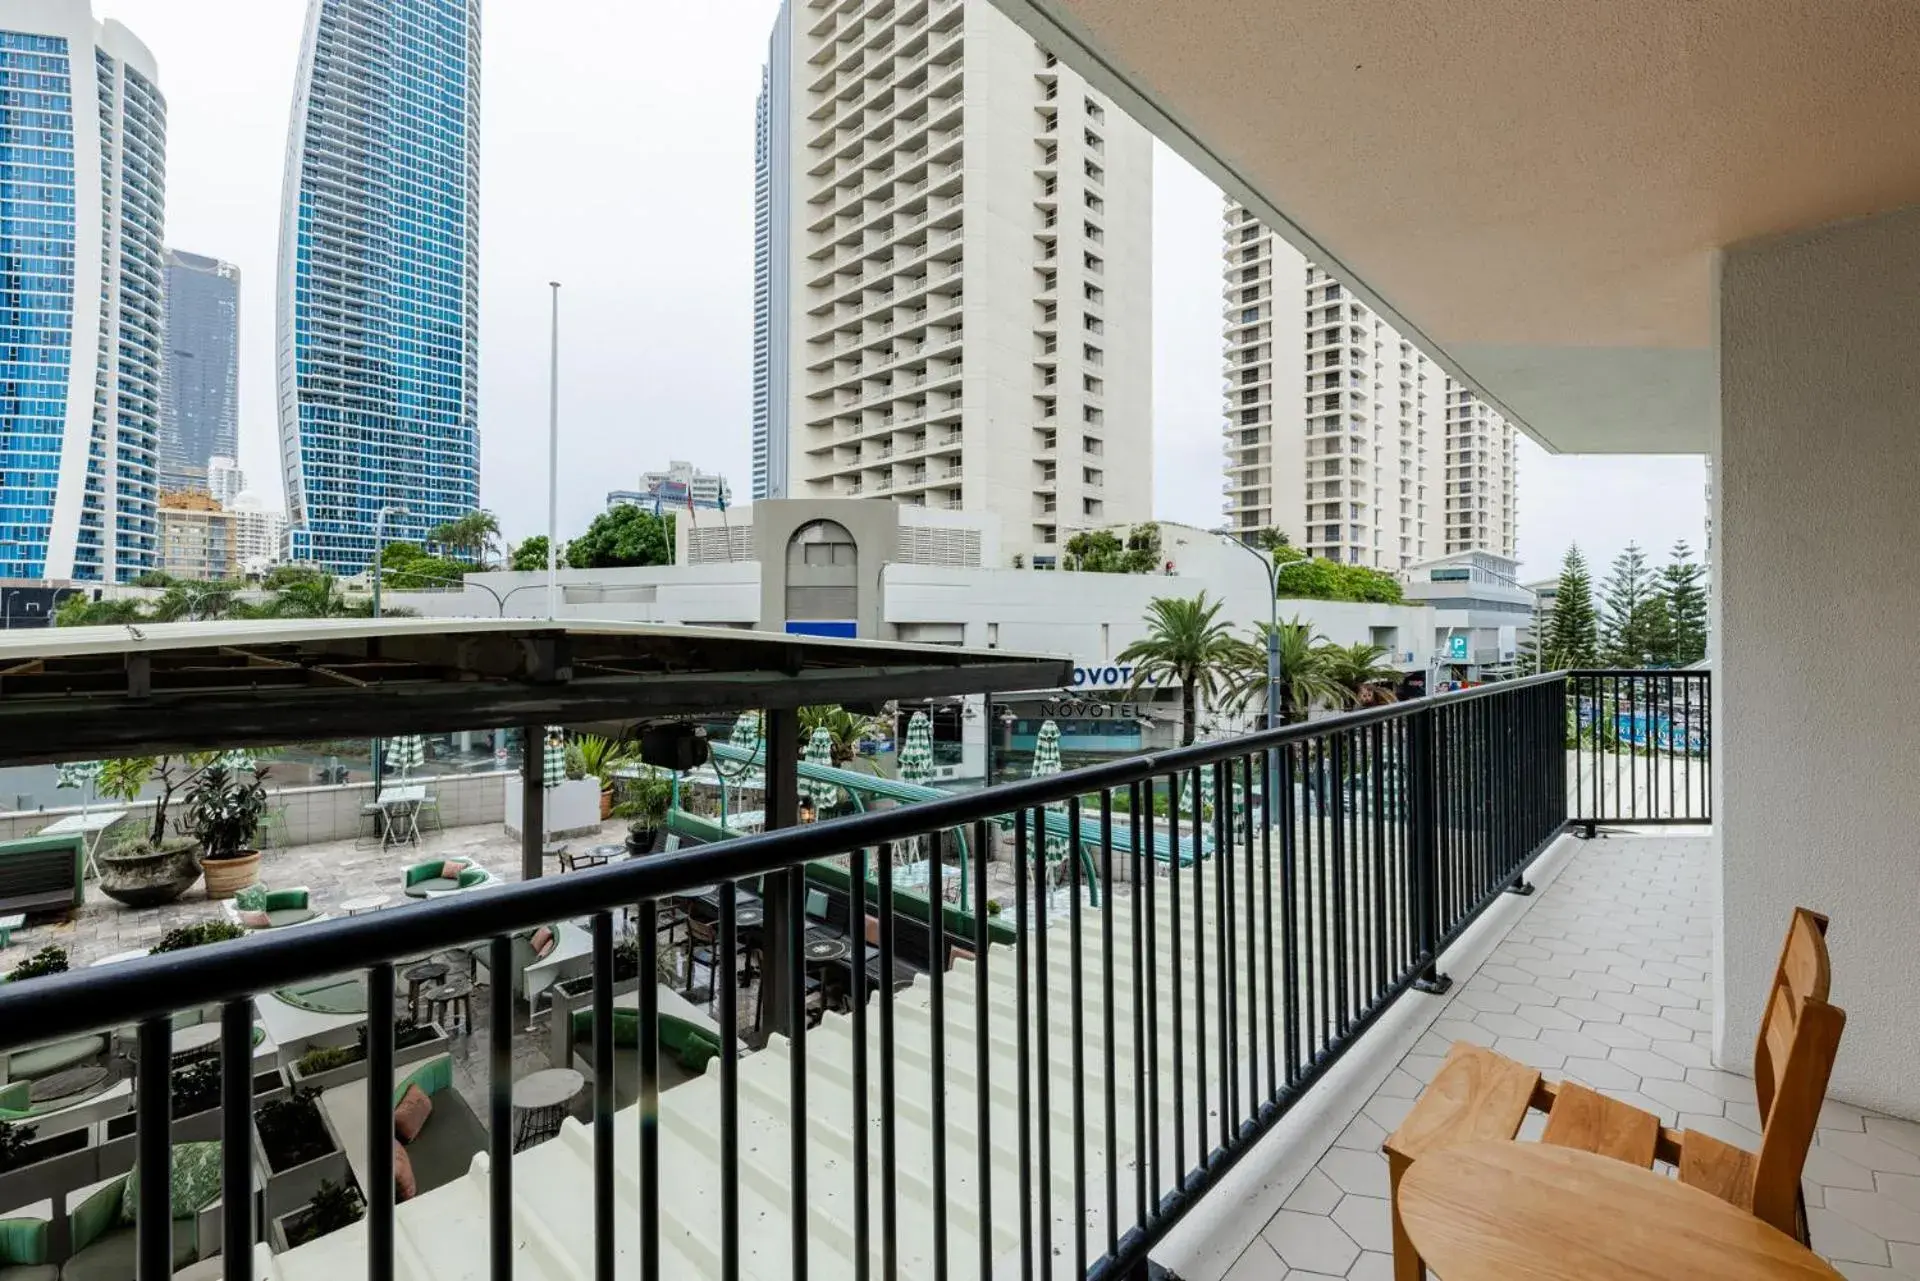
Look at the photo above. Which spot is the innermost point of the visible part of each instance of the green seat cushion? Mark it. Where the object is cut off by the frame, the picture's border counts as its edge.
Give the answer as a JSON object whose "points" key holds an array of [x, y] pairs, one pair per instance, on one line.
{"points": [[195, 1182], [432, 885], [473, 876], [17, 1097], [111, 1258], [90, 1220], [44, 1060], [337, 995], [286, 901], [289, 916], [432, 1076], [23, 1240]]}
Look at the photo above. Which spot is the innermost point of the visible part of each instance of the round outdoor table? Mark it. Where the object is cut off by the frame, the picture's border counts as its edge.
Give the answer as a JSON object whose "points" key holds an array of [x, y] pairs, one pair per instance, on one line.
{"points": [[197, 1037], [541, 1099], [825, 951], [607, 853], [369, 903], [425, 974], [454, 994], [1534, 1212]]}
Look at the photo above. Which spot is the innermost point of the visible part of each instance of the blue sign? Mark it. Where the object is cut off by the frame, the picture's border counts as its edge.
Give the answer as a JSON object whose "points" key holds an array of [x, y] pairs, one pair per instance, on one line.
{"points": [[1457, 649], [837, 628]]}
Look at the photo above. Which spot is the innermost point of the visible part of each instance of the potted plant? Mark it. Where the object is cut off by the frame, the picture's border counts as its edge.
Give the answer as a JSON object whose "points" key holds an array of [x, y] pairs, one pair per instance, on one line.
{"points": [[153, 867], [223, 814], [297, 1148], [186, 936], [332, 1207], [599, 756], [644, 805]]}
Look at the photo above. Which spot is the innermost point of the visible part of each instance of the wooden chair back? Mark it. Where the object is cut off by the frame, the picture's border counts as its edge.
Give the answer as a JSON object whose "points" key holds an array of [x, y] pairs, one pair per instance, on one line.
{"points": [[1792, 1060]]}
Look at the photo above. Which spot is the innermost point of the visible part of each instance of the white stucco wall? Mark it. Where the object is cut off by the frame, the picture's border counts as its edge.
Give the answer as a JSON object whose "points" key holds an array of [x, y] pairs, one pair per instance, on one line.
{"points": [[1817, 733]]}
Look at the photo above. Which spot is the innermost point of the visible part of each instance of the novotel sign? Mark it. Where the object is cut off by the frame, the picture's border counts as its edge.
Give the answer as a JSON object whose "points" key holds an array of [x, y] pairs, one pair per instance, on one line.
{"points": [[1108, 676]]}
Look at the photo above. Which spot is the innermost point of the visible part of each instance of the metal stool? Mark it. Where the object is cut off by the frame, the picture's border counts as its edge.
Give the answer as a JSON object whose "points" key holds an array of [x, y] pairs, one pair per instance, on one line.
{"points": [[425, 974], [455, 993]]}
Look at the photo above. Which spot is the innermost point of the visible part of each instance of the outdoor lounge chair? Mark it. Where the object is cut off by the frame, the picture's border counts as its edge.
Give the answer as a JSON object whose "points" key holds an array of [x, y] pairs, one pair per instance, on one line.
{"points": [[444, 876], [446, 1145], [686, 1043], [259, 908]]}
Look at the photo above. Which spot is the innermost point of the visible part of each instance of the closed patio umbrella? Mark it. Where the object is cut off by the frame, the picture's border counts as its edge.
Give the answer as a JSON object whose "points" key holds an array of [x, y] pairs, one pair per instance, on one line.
{"points": [[81, 774], [407, 752], [553, 770], [1046, 761], [819, 751]]}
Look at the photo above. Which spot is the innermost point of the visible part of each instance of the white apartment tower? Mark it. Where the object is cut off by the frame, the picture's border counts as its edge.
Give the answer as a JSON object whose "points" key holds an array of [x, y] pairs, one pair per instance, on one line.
{"points": [[968, 283], [1341, 433]]}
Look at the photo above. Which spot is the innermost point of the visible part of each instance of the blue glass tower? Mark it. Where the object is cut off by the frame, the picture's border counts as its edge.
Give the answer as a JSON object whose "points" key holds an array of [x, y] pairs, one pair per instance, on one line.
{"points": [[772, 213], [379, 275], [82, 209]]}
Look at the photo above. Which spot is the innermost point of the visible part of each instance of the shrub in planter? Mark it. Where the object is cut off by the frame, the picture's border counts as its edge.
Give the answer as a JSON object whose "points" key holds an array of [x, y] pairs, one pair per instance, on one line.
{"points": [[50, 959], [325, 1058], [14, 1142], [291, 1131], [334, 1206], [223, 814], [644, 804], [196, 1087], [194, 935]]}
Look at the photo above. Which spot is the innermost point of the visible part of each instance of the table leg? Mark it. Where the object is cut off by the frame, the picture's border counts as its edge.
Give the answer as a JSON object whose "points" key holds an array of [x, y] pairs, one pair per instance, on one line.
{"points": [[1407, 1265]]}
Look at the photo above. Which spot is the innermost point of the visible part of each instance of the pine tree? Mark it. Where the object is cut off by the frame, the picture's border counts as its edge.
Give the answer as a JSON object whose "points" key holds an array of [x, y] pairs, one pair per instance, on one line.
{"points": [[1571, 640], [1623, 610], [1686, 605]]}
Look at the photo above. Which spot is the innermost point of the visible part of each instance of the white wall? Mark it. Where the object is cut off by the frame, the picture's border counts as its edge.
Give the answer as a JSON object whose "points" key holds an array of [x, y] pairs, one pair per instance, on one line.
{"points": [[1817, 734]]}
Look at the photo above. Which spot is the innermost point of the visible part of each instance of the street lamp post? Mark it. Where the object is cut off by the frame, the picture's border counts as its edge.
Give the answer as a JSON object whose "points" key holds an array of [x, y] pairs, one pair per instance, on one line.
{"points": [[553, 461], [379, 546], [1273, 628], [8, 607]]}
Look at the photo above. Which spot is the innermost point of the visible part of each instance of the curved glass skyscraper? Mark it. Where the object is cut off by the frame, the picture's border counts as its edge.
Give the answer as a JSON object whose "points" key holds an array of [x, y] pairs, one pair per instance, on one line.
{"points": [[379, 275], [82, 207]]}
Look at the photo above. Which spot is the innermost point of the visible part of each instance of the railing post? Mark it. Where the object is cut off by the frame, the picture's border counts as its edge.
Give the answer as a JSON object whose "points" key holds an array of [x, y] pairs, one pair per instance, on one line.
{"points": [[1424, 825], [781, 734], [533, 801]]}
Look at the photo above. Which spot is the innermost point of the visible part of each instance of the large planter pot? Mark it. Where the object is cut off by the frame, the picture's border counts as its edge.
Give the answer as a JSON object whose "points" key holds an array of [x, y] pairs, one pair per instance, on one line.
{"points": [[641, 840], [226, 877], [289, 1189], [143, 877]]}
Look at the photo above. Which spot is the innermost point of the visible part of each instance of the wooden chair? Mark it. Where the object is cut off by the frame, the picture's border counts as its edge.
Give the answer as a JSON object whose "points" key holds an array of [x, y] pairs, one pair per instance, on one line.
{"points": [[1478, 1095]]}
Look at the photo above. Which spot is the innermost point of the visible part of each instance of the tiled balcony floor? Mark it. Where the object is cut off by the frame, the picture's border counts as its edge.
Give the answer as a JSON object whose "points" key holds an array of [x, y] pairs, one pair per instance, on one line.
{"points": [[1603, 979]]}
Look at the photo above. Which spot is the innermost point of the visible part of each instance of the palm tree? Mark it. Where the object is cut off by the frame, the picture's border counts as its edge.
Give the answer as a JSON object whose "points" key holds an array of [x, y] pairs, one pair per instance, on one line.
{"points": [[1186, 642], [476, 533], [1304, 679], [845, 728], [1363, 680], [319, 597], [207, 601]]}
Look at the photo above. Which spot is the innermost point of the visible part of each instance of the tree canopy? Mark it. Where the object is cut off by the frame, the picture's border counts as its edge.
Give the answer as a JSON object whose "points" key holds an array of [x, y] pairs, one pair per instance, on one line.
{"points": [[409, 567], [474, 535], [1313, 578], [530, 555], [1572, 634], [1100, 551], [620, 536], [1188, 644]]}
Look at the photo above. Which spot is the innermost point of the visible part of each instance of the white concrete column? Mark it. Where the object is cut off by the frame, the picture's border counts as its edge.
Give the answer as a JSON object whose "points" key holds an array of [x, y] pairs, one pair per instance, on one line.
{"points": [[1817, 705]]}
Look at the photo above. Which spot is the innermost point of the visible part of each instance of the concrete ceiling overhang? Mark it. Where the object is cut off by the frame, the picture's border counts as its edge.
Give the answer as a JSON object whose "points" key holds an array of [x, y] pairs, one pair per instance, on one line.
{"points": [[1534, 190]]}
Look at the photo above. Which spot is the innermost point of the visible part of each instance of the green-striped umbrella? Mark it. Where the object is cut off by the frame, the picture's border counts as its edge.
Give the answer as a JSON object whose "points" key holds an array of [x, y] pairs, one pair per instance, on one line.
{"points": [[916, 754], [84, 775], [407, 752], [1046, 761], [237, 760], [553, 763], [746, 732], [819, 751]]}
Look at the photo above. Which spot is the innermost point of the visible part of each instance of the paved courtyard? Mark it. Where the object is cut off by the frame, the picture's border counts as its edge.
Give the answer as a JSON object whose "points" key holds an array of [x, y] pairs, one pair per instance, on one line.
{"points": [[1604, 979]]}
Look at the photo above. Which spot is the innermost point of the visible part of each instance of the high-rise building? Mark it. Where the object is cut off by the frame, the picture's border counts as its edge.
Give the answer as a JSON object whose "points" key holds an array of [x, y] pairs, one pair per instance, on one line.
{"points": [[1338, 431], [82, 212], [770, 257], [674, 488], [258, 534], [200, 381], [225, 480], [969, 289], [379, 275]]}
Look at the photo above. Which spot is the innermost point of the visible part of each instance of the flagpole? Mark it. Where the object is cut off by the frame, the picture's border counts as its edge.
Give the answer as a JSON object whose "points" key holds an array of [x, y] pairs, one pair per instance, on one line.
{"points": [[553, 462]]}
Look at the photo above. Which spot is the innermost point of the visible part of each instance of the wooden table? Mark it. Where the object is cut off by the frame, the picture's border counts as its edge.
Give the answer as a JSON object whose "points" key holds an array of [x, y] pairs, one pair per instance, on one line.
{"points": [[1506, 1211]]}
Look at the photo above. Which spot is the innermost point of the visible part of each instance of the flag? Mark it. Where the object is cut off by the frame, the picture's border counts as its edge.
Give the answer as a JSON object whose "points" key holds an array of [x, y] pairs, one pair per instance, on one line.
{"points": [[656, 503]]}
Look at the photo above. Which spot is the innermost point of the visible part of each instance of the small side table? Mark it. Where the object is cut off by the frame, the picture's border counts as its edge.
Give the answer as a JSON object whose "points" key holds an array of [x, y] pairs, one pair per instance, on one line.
{"points": [[542, 1099], [425, 974], [454, 995], [368, 903], [8, 924]]}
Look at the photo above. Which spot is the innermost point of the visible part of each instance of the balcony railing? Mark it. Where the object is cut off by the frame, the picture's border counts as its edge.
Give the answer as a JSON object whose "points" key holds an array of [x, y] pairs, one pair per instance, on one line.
{"points": [[1195, 938]]}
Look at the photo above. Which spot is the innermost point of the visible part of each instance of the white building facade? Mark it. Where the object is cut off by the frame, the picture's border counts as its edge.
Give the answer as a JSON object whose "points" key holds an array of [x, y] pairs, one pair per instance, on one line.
{"points": [[82, 213], [225, 480], [966, 283], [675, 487], [1338, 431]]}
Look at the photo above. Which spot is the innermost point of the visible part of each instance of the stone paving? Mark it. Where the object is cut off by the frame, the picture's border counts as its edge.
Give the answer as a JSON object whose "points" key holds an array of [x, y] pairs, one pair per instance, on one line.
{"points": [[1604, 980]]}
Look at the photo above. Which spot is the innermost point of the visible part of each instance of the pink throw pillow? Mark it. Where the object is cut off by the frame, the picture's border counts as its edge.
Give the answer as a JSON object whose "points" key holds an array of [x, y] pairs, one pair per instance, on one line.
{"points": [[411, 1116], [542, 941], [451, 869], [255, 920], [404, 1184]]}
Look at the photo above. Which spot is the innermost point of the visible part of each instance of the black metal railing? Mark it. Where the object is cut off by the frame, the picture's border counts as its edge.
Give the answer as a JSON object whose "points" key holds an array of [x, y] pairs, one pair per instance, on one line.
{"points": [[1267, 898], [1641, 746]]}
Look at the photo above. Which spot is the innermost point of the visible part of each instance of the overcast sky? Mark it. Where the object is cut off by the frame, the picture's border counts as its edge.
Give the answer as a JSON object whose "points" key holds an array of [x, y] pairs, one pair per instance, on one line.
{"points": [[617, 158]]}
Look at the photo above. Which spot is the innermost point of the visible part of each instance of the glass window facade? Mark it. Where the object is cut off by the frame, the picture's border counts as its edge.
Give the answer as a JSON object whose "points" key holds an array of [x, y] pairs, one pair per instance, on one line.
{"points": [[37, 243], [200, 389], [379, 285]]}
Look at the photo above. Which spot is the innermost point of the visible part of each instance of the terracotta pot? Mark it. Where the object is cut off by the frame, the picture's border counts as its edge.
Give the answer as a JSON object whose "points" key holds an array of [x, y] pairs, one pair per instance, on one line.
{"points": [[606, 804], [228, 876]]}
